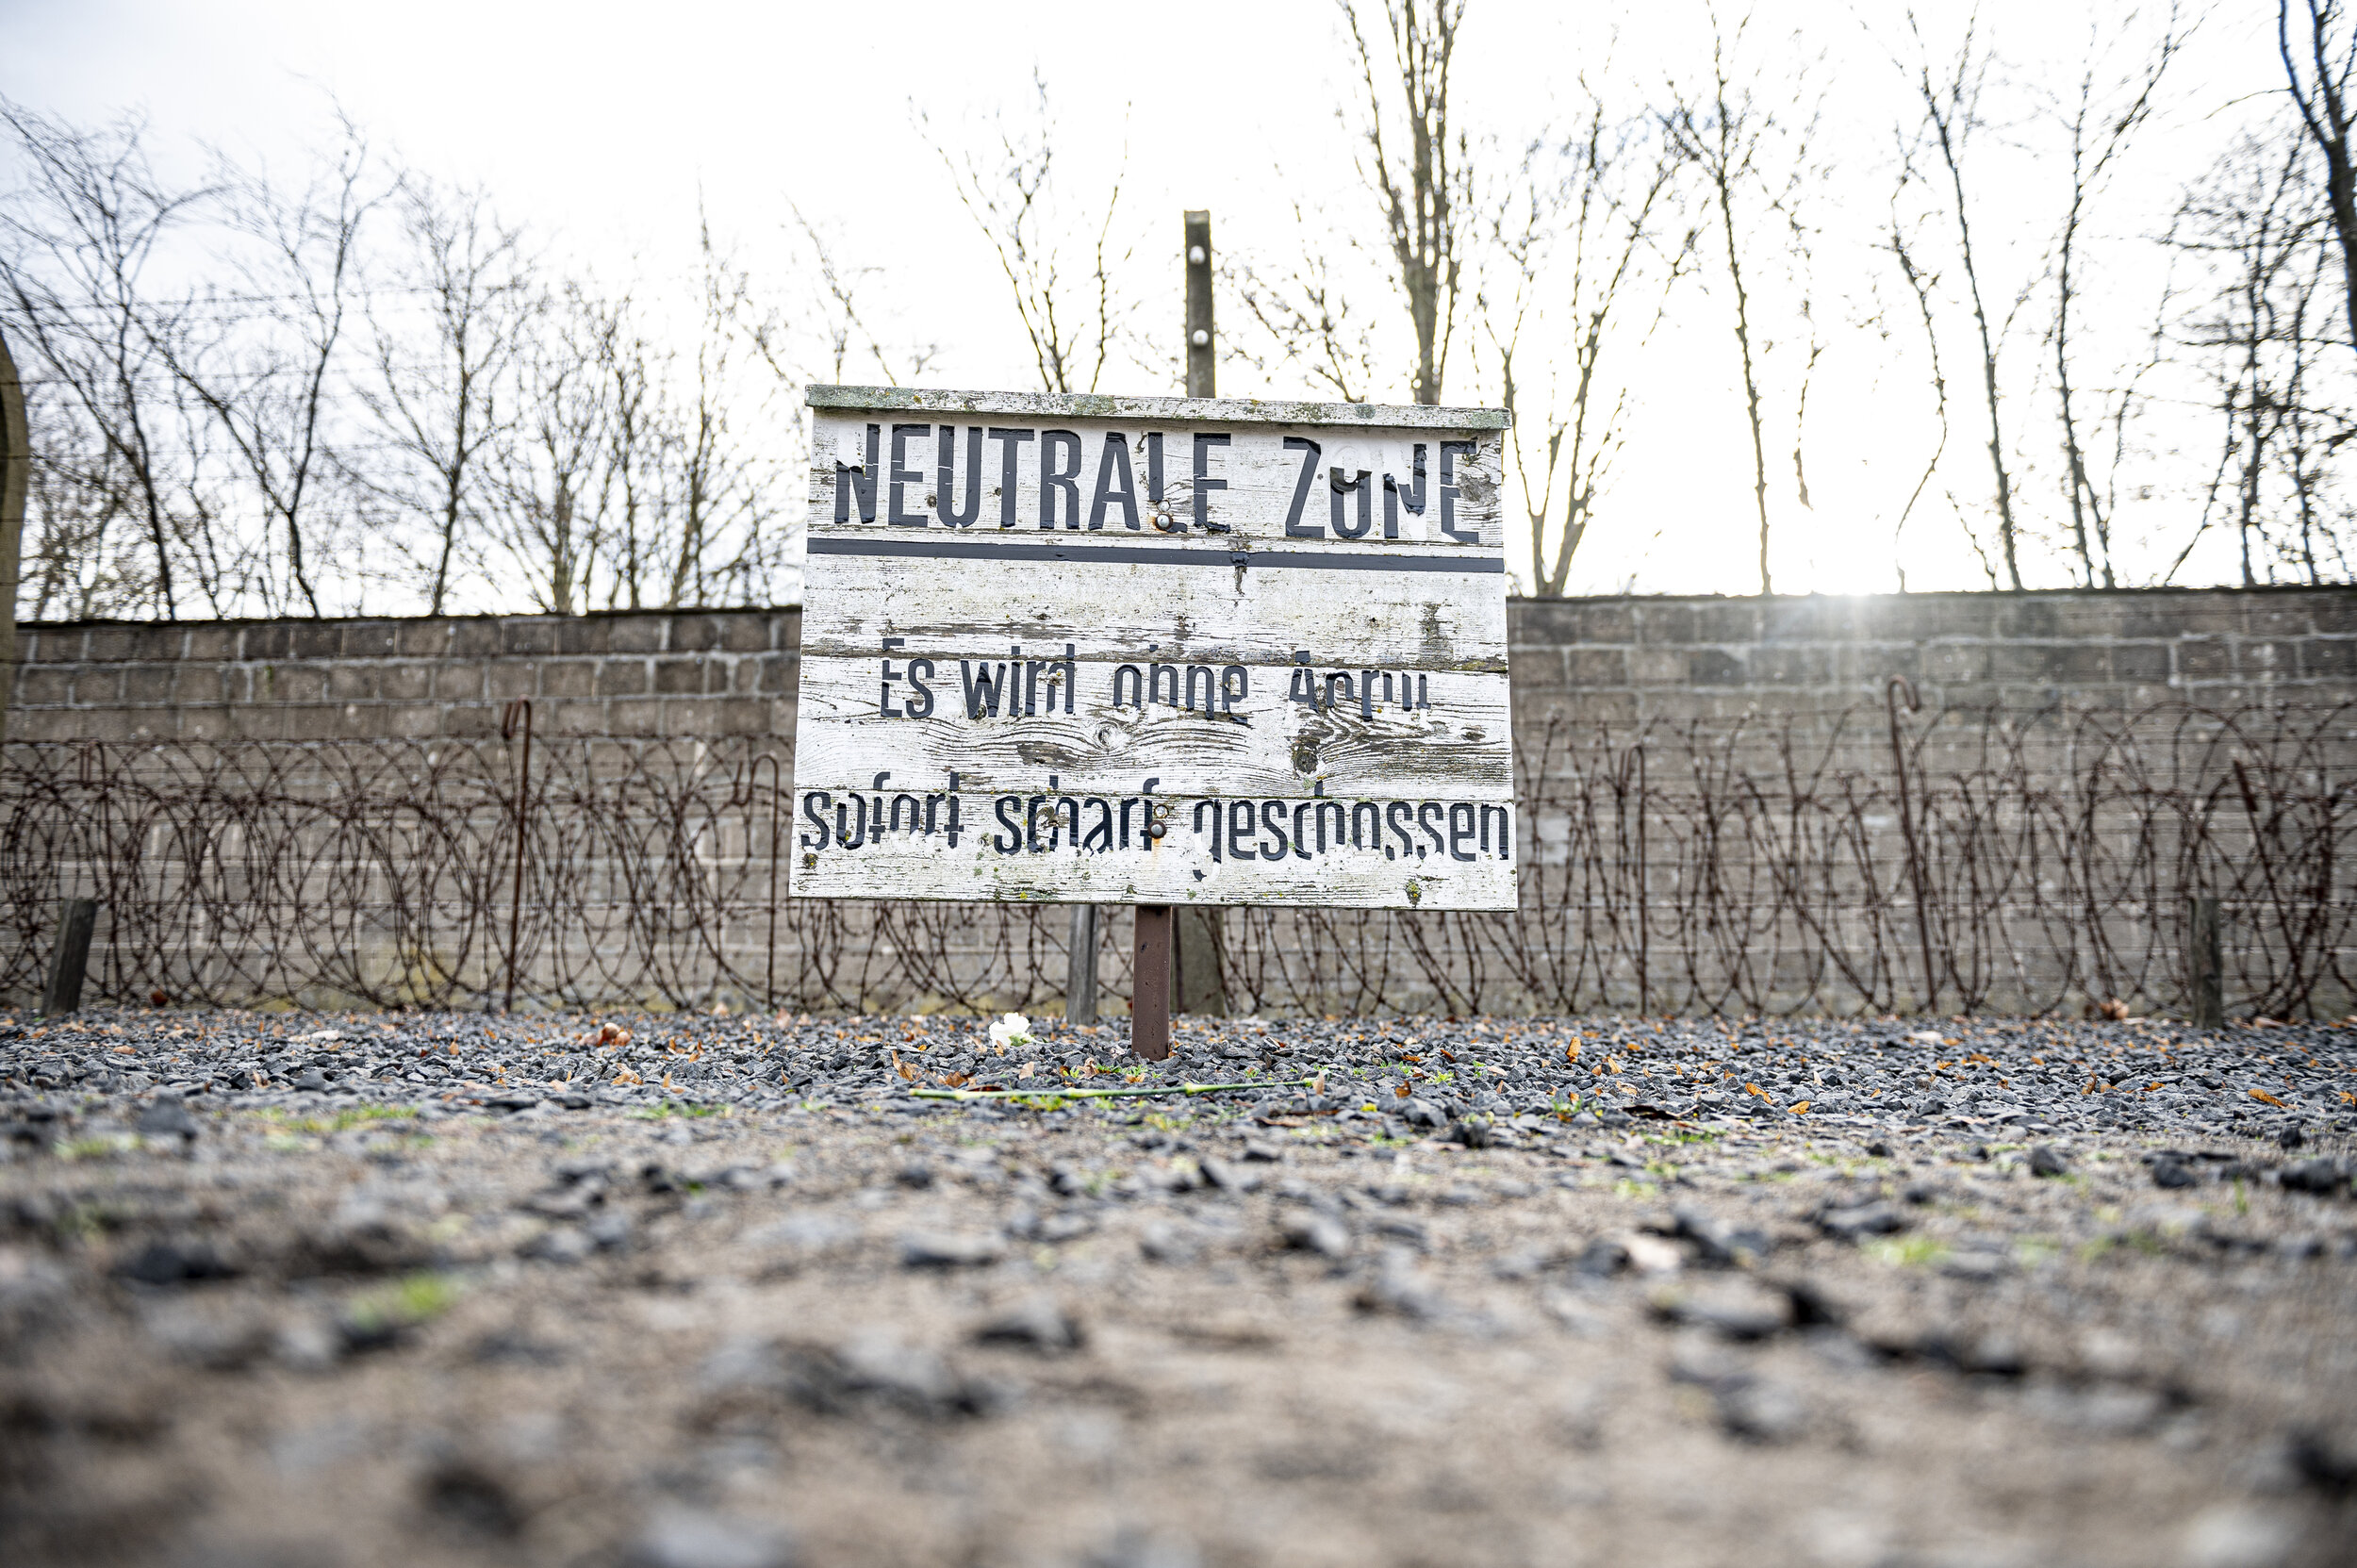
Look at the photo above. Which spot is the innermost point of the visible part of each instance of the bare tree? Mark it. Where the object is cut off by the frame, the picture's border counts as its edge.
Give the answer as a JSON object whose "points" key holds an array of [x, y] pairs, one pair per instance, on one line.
{"points": [[554, 473], [272, 377], [1010, 192], [1951, 113], [1425, 188], [1301, 309], [1585, 249], [2317, 69], [2263, 228], [438, 392], [2100, 133], [1725, 129], [76, 241]]}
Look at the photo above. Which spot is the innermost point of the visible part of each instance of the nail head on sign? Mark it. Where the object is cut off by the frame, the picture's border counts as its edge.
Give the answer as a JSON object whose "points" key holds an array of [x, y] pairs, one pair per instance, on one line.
{"points": [[1201, 337], [1195, 256]]}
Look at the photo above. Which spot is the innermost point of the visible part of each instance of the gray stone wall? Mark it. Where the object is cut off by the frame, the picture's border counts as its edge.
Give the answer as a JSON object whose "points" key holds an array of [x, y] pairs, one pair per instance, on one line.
{"points": [[1642, 659], [1615, 660], [695, 673], [1709, 792]]}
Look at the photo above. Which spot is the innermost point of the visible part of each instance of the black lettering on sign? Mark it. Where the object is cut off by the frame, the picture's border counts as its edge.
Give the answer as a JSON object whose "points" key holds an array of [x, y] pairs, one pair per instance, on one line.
{"points": [[1063, 672], [1100, 833], [1448, 491], [1363, 488], [1461, 818], [1294, 527], [947, 486], [1011, 841], [1210, 690], [984, 686], [1396, 495], [1205, 483], [1426, 815], [1009, 449], [883, 703], [1235, 685], [1506, 826], [816, 804], [896, 515], [861, 486], [1137, 686], [1154, 673], [1240, 825], [1115, 485], [1272, 824], [919, 705], [1401, 820], [1059, 467], [1366, 827]]}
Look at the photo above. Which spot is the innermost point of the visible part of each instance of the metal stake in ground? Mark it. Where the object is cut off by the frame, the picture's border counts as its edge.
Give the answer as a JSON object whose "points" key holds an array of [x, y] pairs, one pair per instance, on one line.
{"points": [[1195, 940], [1150, 994], [76, 919], [1079, 992], [2205, 976], [518, 710]]}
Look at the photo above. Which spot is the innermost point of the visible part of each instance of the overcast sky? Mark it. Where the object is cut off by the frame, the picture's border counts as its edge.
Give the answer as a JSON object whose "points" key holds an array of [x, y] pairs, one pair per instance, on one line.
{"points": [[606, 124]]}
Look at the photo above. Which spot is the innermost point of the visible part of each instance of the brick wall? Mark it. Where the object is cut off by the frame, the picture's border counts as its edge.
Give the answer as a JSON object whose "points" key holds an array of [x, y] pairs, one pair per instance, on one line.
{"points": [[1623, 659], [1620, 660], [690, 673], [1791, 891]]}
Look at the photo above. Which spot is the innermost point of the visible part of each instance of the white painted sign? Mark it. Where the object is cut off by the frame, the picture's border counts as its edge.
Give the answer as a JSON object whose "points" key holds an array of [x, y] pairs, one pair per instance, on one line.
{"points": [[1106, 650]]}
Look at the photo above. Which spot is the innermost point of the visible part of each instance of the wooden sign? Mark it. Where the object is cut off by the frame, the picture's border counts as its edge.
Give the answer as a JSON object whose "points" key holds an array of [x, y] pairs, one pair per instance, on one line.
{"points": [[1153, 650]]}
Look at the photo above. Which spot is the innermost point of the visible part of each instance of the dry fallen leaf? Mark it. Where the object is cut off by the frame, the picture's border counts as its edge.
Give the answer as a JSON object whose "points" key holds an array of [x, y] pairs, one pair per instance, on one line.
{"points": [[1570, 1052], [1027, 1069], [1799, 1108], [956, 1081], [1755, 1089], [2263, 1094], [1403, 1091]]}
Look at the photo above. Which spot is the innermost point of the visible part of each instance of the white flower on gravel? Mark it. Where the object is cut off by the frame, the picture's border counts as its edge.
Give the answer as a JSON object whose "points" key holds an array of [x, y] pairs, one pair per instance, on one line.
{"points": [[1013, 1029]]}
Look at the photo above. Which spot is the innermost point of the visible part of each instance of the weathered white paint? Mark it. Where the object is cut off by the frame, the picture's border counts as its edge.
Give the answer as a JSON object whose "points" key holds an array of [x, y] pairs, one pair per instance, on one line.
{"points": [[1267, 744], [1276, 574]]}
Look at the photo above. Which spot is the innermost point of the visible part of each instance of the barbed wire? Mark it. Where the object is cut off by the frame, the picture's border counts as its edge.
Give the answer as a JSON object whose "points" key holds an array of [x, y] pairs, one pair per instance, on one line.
{"points": [[2033, 862]]}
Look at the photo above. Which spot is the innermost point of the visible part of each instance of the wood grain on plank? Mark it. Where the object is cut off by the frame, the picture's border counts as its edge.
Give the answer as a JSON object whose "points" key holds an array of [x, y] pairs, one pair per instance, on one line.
{"points": [[1462, 744], [961, 609]]}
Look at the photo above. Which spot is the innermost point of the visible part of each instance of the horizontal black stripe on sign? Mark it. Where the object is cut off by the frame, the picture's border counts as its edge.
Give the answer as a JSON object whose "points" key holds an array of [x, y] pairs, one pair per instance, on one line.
{"points": [[1153, 556]]}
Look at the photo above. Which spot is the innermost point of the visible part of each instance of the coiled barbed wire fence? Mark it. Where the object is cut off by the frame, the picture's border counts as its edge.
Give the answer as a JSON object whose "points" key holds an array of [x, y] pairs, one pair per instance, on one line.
{"points": [[2031, 862]]}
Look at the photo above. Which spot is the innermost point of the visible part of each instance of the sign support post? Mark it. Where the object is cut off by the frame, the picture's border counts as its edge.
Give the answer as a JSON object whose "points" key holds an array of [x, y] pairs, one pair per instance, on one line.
{"points": [[1198, 984]]}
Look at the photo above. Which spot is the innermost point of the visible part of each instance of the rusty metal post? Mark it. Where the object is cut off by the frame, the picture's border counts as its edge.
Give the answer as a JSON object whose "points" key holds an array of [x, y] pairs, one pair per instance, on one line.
{"points": [[1196, 937], [76, 919], [1906, 826], [1150, 994], [16, 468], [518, 710], [2205, 975], [1080, 993]]}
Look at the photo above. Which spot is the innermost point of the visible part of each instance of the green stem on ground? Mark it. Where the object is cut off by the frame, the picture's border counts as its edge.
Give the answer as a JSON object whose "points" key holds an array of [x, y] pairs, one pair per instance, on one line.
{"points": [[1049, 1090]]}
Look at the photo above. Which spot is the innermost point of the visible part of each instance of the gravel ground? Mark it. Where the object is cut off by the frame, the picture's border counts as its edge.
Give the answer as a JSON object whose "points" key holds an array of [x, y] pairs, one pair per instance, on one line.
{"points": [[710, 1292]]}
